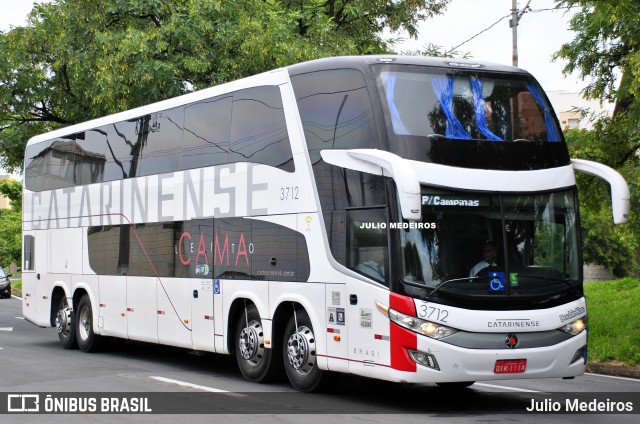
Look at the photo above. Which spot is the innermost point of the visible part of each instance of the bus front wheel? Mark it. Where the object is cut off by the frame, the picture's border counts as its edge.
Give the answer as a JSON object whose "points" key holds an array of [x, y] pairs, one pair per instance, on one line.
{"points": [[299, 354], [88, 341]]}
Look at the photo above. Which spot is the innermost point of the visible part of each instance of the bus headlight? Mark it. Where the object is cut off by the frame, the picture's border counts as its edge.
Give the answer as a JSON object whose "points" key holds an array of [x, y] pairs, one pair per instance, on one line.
{"points": [[576, 327], [428, 328]]}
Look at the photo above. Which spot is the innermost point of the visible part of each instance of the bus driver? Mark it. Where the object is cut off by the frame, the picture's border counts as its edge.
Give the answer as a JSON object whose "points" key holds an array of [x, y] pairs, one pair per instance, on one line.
{"points": [[489, 253]]}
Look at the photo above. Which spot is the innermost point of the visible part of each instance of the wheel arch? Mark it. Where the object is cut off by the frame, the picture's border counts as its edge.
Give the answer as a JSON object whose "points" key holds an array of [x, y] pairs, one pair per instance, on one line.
{"points": [[77, 295], [57, 293]]}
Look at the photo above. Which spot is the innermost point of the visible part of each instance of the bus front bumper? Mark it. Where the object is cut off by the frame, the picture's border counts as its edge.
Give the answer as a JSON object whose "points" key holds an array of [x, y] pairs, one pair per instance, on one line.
{"points": [[452, 363]]}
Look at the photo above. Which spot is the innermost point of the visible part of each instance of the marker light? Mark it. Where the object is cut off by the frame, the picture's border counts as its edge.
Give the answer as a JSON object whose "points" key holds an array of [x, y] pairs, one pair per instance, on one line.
{"points": [[580, 354], [575, 327], [428, 328], [382, 308]]}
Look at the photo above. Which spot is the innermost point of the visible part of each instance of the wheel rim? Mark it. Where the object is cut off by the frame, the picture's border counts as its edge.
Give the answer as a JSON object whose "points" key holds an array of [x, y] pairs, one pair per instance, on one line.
{"points": [[84, 323], [63, 320], [251, 343], [301, 350]]}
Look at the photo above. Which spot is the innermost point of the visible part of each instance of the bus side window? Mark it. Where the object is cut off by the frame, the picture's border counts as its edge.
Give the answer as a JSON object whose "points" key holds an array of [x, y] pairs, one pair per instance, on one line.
{"points": [[90, 157], [336, 113], [206, 133], [104, 246], [162, 141], [36, 166], [29, 254], [258, 128], [123, 150], [335, 109], [367, 243]]}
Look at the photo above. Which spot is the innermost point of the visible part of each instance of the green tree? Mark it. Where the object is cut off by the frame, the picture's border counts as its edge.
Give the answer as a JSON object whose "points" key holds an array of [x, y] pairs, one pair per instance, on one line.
{"points": [[12, 190], [11, 223], [81, 59], [614, 246], [606, 52]]}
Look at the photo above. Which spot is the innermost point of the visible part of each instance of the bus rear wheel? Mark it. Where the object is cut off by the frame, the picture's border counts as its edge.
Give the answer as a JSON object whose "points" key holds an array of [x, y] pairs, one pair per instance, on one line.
{"points": [[65, 325], [254, 360], [299, 354], [88, 341]]}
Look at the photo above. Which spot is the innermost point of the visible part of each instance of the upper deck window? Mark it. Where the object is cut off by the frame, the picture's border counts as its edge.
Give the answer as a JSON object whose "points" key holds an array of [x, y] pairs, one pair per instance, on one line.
{"points": [[336, 110], [467, 107], [469, 118]]}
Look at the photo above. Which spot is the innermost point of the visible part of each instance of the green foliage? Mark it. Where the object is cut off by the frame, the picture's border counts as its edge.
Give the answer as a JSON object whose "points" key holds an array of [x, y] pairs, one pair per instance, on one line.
{"points": [[606, 42], [81, 59], [11, 223], [607, 45], [614, 328], [614, 246], [12, 190], [10, 236]]}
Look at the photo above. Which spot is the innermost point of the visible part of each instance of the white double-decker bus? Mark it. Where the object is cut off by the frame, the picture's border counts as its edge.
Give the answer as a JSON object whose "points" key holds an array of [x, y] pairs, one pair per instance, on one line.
{"points": [[328, 216]]}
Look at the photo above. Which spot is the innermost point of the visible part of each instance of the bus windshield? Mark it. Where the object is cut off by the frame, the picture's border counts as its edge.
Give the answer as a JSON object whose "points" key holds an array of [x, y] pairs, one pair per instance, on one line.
{"points": [[466, 106], [534, 238]]}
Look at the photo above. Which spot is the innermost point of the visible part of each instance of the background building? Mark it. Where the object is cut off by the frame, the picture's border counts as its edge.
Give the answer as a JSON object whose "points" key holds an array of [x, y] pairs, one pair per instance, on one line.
{"points": [[568, 106], [5, 203]]}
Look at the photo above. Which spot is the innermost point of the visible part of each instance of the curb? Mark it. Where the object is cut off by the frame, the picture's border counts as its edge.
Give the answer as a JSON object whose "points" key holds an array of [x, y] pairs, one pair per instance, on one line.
{"points": [[614, 369]]}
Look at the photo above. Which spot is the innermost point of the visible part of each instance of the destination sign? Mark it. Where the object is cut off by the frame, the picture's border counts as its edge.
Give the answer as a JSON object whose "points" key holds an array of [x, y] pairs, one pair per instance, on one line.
{"points": [[455, 201]]}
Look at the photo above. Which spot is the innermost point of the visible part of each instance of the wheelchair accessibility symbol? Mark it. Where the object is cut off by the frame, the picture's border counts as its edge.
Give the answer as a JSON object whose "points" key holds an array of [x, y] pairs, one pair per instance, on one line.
{"points": [[496, 282]]}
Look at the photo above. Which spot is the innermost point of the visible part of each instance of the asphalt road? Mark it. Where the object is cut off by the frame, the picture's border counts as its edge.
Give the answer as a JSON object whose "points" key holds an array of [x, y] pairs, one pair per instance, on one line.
{"points": [[31, 360]]}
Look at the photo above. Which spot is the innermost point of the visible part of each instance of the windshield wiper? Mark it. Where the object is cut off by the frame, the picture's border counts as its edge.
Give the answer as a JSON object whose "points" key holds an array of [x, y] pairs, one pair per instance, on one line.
{"points": [[439, 286]]}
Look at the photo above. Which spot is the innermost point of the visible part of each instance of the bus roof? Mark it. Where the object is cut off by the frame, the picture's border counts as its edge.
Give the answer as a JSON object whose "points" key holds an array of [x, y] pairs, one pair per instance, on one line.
{"points": [[365, 61]]}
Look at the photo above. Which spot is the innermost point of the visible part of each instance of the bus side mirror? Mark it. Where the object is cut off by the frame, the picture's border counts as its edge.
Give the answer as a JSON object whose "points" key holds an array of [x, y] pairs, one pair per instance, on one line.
{"points": [[620, 196], [379, 162]]}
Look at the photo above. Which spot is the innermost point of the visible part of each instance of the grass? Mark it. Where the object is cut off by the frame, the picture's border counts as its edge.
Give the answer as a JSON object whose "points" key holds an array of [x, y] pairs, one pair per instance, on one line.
{"points": [[16, 287], [614, 321]]}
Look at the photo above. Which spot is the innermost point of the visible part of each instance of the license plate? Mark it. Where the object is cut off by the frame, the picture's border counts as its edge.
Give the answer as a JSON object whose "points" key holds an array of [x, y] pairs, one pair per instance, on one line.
{"points": [[511, 366]]}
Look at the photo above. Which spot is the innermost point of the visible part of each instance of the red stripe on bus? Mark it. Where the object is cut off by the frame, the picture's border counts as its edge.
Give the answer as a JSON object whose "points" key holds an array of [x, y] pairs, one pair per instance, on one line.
{"points": [[400, 338], [403, 304]]}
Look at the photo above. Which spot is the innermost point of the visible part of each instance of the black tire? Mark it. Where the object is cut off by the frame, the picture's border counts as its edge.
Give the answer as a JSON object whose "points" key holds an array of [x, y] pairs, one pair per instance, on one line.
{"points": [[65, 325], [456, 385], [299, 355], [256, 362], [88, 341]]}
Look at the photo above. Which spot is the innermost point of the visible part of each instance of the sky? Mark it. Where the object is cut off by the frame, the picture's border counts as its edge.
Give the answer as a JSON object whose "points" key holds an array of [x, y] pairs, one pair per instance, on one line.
{"points": [[540, 35]]}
